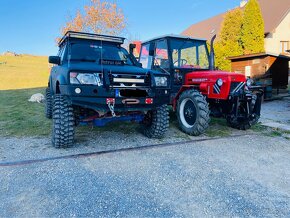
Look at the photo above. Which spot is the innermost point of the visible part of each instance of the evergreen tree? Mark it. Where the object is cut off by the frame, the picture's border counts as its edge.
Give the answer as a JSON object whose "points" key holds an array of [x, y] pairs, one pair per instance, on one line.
{"points": [[252, 32], [229, 39]]}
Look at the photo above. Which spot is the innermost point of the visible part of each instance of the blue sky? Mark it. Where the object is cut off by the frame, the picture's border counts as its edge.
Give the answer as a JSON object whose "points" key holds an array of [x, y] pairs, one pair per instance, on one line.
{"points": [[31, 26]]}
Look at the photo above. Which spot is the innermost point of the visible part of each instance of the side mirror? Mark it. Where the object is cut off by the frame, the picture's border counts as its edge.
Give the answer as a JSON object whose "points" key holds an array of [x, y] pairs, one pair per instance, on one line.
{"points": [[54, 60]]}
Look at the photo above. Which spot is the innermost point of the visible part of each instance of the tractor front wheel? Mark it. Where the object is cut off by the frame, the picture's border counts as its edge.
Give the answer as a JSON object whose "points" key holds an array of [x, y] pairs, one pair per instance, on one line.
{"points": [[244, 123], [156, 122], [193, 113]]}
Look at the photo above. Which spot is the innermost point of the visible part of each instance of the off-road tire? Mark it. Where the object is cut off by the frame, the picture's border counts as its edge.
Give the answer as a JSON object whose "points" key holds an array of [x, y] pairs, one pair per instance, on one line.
{"points": [[242, 125], [63, 123], [48, 103], [199, 108], [156, 122]]}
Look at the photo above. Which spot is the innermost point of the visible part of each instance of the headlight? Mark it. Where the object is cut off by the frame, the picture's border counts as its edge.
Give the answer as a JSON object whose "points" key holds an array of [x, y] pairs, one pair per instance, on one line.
{"points": [[160, 81], [220, 82], [86, 78], [249, 82]]}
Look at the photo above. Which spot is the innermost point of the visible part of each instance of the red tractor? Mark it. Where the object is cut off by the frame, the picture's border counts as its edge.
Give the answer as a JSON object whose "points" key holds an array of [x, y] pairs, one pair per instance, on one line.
{"points": [[198, 90]]}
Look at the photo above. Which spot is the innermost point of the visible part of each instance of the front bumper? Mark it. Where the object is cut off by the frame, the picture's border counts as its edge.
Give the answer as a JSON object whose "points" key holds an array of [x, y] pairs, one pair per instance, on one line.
{"points": [[96, 98]]}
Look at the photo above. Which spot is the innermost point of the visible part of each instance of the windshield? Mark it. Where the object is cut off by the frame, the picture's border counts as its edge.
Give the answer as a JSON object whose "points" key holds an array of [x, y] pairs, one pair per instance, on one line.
{"points": [[100, 53], [187, 53]]}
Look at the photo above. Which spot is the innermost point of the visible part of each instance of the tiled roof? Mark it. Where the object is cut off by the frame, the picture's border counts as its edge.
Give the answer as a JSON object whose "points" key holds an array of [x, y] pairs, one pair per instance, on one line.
{"points": [[273, 11]]}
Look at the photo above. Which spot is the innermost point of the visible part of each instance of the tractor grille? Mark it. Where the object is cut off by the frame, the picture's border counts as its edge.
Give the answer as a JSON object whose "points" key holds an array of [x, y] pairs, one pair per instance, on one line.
{"points": [[129, 80], [237, 86]]}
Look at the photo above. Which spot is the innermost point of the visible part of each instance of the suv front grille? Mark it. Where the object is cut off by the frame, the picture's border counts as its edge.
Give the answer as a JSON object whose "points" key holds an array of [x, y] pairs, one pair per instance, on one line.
{"points": [[129, 80], [237, 86]]}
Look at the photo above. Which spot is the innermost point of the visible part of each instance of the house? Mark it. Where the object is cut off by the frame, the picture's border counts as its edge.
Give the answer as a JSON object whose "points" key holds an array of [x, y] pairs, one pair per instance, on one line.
{"points": [[272, 67], [268, 70], [276, 14]]}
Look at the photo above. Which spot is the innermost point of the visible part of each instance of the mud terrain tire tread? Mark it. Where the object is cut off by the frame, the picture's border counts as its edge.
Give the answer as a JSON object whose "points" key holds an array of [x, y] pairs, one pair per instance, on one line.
{"points": [[159, 122], [63, 123], [48, 104]]}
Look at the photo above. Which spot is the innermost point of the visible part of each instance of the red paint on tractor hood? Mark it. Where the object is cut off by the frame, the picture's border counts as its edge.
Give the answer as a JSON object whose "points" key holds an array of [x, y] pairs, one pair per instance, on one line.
{"points": [[213, 76], [206, 80]]}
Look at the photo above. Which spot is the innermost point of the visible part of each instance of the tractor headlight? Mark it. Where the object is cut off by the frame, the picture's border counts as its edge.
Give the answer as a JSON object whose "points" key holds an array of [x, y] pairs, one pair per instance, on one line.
{"points": [[160, 81], [249, 82], [220, 82], [86, 78]]}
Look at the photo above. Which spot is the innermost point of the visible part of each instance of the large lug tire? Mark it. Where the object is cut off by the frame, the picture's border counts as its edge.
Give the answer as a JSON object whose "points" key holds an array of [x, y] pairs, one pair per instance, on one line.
{"points": [[48, 103], [63, 123], [193, 113], [156, 122], [244, 124]]}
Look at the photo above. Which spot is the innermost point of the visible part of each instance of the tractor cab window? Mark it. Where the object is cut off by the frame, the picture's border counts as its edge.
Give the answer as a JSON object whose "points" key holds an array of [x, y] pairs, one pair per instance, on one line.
{"points": [[161, 55], [145, 59], [189, 54]]}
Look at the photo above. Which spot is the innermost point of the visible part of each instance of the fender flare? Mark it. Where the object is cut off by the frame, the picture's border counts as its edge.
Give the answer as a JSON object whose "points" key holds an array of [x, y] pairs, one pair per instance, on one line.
{"points": [[60, 80]]}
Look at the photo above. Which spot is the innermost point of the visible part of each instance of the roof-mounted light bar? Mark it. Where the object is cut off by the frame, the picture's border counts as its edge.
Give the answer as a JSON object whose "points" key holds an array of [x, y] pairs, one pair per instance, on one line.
{"points": [[91, 36]]}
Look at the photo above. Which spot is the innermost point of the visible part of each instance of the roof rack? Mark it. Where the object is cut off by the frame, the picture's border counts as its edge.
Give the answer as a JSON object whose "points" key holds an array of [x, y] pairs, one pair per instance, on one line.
{"points": [[91, 36]]}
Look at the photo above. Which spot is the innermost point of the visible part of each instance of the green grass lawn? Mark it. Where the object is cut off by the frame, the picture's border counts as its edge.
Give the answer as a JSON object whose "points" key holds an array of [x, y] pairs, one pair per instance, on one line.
{"points": [[18, 117], [24, 71]]}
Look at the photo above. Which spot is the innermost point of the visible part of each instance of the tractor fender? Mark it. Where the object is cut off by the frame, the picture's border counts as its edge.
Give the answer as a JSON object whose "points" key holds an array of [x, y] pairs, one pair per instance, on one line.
{"points": [[181, 90]]}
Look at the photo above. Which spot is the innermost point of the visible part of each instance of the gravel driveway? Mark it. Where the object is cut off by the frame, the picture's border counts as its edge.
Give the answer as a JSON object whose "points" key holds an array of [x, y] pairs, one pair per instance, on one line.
{"points": [[244, 175]]}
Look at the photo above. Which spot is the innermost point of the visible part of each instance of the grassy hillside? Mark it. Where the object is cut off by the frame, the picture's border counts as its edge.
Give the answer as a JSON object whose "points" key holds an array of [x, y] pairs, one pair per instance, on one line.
{"points": [[24, 71]]}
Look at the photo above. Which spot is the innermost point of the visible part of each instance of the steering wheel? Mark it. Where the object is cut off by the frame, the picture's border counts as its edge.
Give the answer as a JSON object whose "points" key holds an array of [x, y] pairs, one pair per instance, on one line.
{"points": [[183, 62]]}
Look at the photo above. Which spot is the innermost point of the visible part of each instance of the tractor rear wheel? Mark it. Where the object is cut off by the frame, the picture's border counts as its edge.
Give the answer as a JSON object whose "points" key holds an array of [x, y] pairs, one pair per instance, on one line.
{"points": [[63, 123], [156, 122], [193, 112], [48, 103]]}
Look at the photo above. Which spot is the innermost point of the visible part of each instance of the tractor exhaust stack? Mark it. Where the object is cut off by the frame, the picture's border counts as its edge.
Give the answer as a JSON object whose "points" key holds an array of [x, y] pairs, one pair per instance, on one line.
{"points": [[212, 55]]}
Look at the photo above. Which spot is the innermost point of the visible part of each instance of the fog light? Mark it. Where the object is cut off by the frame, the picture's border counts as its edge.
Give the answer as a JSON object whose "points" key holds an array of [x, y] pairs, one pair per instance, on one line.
{"points": [[78, 90]]}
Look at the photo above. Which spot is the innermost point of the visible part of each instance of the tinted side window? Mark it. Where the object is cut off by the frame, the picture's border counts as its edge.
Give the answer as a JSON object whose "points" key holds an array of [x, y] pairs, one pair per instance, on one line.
{"points": [[161, 54], [145, 58], [63, 54]]}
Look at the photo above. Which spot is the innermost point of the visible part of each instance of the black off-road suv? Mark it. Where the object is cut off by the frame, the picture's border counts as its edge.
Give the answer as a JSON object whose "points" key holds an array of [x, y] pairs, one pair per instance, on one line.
{"points": [[95, 81]]}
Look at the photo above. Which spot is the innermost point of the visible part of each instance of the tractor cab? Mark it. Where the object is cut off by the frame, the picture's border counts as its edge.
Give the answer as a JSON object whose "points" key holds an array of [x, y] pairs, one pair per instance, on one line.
{"points": [[176, 55]]}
